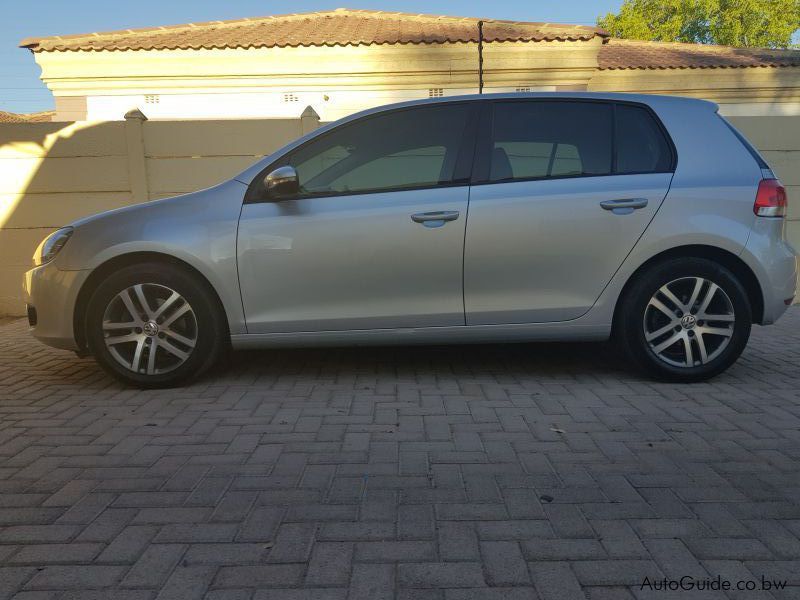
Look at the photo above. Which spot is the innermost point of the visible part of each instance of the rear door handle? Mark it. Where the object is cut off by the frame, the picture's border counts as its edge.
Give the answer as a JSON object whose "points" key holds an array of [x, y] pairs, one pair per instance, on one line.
{"points": [[624, 206], [436, 218]]}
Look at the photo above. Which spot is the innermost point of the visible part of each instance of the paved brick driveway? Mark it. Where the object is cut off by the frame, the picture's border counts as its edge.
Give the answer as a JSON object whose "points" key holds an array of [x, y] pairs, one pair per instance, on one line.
{"points": [[427, 473]]}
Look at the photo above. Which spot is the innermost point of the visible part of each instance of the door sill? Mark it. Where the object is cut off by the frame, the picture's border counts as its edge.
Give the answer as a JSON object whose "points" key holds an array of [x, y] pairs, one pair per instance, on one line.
{"points": [[526, 332]]}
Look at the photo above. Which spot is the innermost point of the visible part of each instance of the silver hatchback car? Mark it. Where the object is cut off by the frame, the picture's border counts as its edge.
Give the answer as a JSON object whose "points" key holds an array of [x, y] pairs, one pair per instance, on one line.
{"points": [[513, 217]]}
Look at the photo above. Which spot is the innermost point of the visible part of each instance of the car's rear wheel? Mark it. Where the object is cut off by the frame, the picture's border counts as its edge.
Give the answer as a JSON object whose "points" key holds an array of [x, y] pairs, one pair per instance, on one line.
{"points": [[154, 325], [684, 320]]}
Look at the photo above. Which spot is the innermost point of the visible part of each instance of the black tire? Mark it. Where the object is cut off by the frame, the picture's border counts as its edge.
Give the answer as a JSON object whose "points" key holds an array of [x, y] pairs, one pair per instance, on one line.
{"points": [[631, 320], [208, 323]]}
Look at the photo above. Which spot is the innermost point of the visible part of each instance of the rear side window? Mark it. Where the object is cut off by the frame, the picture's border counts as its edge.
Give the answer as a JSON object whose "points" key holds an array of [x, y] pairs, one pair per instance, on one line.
{"points": [[547, 139], [542, 139], [640, 143]]}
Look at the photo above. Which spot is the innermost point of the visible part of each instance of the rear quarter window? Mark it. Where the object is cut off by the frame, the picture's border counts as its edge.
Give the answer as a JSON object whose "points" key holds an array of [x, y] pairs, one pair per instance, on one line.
{"points": [[641, 146]]}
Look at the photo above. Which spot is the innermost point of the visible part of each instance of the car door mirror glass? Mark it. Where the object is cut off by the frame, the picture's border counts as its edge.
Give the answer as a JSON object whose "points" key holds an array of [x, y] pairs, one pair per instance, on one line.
{"points": [[282, 183]]}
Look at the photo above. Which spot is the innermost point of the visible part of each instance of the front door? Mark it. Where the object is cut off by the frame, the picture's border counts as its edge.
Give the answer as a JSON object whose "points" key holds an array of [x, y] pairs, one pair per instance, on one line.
{"points": [[566, 190], [375, 238]]}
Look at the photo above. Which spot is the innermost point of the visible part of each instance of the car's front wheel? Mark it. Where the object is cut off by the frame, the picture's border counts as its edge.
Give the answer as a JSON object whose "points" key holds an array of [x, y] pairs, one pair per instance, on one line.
{"points": [[684, 320], [154, 325]]}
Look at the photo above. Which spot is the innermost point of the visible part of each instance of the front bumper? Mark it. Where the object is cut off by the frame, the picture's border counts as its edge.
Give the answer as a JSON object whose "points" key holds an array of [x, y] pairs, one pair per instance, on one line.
{"points": [[53, 294]]}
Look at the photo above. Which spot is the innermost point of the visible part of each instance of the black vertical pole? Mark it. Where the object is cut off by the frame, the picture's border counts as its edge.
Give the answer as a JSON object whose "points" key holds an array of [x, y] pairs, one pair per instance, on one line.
{"points": [[480, 57]]}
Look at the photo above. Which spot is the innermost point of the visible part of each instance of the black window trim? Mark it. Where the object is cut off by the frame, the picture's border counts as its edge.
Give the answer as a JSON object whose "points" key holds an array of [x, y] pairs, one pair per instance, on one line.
{"points": [[462, 172], [482, 163]]}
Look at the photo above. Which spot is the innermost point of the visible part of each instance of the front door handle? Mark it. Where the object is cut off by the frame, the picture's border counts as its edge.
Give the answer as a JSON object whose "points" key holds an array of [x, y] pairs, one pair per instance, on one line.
{"points": [[624, 206], [436, 218]]}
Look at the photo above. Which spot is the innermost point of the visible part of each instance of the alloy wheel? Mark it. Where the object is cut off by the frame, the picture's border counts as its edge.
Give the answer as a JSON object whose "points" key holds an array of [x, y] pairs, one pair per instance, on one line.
{"points": [[149, 329], [689, 322]]}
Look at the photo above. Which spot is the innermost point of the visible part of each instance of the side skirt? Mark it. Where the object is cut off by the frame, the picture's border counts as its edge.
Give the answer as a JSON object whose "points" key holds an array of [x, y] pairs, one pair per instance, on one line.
{"points": [[527, 332]]}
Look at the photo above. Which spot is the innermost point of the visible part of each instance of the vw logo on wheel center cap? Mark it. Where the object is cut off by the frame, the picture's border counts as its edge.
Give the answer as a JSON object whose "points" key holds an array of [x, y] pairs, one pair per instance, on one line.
{"points": [[150, 328], [688, 321]]}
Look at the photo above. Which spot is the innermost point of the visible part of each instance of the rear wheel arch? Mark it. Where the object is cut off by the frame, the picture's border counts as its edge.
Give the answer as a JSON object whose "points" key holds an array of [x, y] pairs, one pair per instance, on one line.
{"points": [[126, 260], [727, 259]]}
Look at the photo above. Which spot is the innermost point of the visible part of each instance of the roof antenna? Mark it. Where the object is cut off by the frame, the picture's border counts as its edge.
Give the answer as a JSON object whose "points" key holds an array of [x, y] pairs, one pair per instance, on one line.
{"points": [[480, 57]]}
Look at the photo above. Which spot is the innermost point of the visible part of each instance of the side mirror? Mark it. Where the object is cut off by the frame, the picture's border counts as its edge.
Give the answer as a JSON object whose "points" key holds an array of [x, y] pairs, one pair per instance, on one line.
{"points": [[282, 183]]}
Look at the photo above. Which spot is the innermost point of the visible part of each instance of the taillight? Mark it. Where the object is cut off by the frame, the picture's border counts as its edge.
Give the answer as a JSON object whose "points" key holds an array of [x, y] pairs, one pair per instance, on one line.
{"points": [[770, 199]]}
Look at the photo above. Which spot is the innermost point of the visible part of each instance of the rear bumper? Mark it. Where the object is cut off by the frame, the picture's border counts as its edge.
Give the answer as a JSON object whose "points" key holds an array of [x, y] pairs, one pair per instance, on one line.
{"points": [[774, 262], [51, 295]]}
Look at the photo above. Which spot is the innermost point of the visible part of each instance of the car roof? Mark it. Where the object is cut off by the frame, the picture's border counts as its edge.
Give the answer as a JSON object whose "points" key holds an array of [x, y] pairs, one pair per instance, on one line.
{"points": [[653, 100]]}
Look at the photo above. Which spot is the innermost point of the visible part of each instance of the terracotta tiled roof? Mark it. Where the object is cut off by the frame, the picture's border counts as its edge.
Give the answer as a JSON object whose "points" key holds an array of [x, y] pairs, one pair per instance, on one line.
{"points": [[632, 54], [340, 27], [38, 117]]}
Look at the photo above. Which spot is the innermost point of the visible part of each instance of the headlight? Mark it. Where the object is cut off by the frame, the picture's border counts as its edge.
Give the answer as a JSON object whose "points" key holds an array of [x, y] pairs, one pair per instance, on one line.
{"points": [[51, 245]]}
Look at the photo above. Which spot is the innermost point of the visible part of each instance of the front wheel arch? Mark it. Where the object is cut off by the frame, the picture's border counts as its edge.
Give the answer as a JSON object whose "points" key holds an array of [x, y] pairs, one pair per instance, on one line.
{"points": [[727, 259], [125, 260]]}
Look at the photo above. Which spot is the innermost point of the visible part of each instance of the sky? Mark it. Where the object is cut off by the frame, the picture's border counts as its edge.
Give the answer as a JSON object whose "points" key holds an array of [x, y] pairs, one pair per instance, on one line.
{"points": [[21, 90]]}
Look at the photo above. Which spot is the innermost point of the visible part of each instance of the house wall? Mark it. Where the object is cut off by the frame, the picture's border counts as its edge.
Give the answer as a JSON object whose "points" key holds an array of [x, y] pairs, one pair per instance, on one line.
{"points": [[53, 173], [762, 91], [334, 80], [339, 80]]}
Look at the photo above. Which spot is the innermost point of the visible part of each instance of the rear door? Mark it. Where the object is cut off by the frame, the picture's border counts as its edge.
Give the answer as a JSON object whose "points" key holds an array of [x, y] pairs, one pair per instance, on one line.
{"points": [[563, 190]]}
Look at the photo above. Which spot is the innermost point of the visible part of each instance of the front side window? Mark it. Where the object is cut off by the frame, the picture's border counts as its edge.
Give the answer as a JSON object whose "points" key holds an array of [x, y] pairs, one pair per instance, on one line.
{"points": [[541, 139], [404, 149]]}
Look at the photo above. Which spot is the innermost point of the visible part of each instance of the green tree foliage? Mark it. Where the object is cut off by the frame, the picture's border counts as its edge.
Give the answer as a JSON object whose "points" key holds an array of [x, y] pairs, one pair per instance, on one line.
{"points": [[765, 23]]}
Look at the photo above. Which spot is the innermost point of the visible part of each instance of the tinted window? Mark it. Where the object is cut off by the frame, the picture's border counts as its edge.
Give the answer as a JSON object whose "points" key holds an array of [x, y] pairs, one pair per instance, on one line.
{"points": [[641, 145], [398, 150], [550, 139]]}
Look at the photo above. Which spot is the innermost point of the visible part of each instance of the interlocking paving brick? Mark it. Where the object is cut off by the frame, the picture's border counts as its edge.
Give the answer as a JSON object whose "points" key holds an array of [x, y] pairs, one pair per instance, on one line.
{"points": [[224, 554], [674, 559], [400, 551], [372, 582], [555, 581], [619, 539], [12, 579], [167, 515], [458, 541], [503, 564], [87, 577], [301, 594], [562, 549], [233, 594], [729, 548], [450, 473], [22, 534], [293, 543], [154, 566], [187, 583], [128, 545], [513, 530], [46, 554], [329, 564], [261, 576], [441, 575]]}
